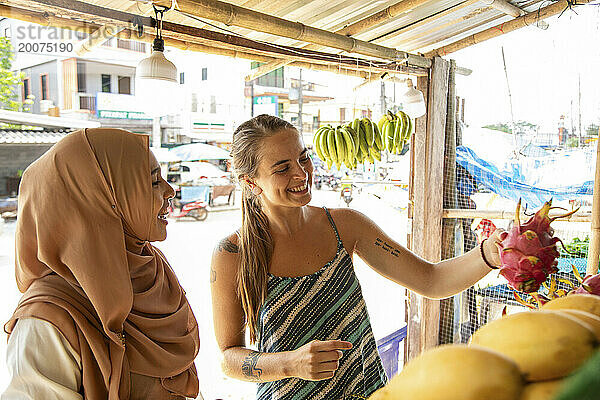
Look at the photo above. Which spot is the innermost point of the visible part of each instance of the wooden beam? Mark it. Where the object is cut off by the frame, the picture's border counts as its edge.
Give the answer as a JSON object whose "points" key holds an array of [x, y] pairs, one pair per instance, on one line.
{"points": [[391, 12], [423, 318], [594, 249], [512, 25], [512, 10], [503, 214], [359, 27], [265, 69], [233, 15], [96, 38]]}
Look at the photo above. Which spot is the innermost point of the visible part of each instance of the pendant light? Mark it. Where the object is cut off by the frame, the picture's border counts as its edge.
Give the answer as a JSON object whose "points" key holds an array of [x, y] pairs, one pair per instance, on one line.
{"points": [[156, 86], [413, 101]]}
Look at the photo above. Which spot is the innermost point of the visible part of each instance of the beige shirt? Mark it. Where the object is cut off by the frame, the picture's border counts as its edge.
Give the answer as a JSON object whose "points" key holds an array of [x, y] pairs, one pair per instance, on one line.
{"points": [[41, 363]]}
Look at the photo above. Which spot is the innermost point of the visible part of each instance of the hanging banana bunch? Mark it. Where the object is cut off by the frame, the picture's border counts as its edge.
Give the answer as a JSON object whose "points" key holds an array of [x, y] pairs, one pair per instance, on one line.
{"points": [[362, 140]]}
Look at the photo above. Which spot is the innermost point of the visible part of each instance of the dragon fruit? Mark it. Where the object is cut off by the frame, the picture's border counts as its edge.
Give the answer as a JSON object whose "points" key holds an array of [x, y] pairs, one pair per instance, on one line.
{"points": [[589, 285], [528, 252]]}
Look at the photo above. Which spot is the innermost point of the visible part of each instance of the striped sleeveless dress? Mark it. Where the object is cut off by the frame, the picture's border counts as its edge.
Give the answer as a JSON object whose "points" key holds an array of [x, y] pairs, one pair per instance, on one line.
{"points": [[325, 305]]}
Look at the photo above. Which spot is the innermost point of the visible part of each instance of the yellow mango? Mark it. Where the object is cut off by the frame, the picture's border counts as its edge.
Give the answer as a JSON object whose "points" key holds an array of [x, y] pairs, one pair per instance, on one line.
{"points": [[541, 390], [583, 302], [455, 372], [592, 320], [545, 345]]}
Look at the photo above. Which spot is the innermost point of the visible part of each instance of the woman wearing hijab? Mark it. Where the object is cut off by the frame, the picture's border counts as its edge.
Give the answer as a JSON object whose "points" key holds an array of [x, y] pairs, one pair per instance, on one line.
{"points": [[103, 315]]}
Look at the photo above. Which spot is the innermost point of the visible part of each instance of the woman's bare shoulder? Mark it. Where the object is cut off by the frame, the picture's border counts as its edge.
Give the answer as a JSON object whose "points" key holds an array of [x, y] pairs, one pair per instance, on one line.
{"points": [[229, 244]]}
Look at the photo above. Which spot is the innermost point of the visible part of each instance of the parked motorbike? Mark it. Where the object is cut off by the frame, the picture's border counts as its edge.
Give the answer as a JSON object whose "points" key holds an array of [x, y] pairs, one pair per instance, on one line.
{"points": [[347, 196], [194, 209]]}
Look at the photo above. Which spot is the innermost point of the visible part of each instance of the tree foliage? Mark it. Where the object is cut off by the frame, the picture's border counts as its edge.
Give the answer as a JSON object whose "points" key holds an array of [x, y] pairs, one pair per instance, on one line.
{"points": [[506, 127], [10, 82]]}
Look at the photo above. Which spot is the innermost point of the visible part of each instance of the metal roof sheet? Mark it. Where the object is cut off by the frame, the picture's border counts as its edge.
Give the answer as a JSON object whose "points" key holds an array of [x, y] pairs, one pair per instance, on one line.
{"points": [[10, 136]]}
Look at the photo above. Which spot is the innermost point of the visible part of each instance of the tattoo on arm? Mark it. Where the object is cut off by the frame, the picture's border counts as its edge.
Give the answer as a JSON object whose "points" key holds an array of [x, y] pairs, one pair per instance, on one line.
{"points": [[228, 246], [213, 275], [249, 366], [385, 246]]}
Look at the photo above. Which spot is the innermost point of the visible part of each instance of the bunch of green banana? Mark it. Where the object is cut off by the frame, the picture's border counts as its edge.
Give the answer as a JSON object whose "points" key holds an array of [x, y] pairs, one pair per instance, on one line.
{"points": [[396, 130], [336, 146], [349, 144]]}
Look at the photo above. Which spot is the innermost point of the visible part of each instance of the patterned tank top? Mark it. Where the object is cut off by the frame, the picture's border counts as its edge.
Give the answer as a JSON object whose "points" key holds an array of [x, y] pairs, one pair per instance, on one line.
{"points": [[325, 305]]}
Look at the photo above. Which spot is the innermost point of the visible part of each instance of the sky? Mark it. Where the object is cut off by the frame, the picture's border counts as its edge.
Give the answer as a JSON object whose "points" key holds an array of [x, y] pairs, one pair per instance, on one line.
{"points": [[543, 70]]}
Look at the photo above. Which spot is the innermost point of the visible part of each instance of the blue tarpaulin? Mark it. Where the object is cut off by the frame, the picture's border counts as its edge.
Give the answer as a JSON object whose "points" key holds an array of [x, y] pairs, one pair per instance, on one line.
{"points": [[509, 183]]}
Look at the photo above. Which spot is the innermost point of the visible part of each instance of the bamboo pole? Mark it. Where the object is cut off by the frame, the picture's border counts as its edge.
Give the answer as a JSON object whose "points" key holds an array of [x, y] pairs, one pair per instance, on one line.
{"points": [[233, 15], [503, 214], [72, 10], [390, 12], [594, 249], [96, 38], [512, 10], [506, 27]]}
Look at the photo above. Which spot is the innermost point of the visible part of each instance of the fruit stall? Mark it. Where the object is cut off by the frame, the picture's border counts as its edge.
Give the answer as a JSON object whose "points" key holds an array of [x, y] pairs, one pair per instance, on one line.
{"points": [[514, 357]]}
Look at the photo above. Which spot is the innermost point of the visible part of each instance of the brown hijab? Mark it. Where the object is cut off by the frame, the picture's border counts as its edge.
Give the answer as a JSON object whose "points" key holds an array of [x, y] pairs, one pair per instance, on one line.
{"points": [[84, 264]]}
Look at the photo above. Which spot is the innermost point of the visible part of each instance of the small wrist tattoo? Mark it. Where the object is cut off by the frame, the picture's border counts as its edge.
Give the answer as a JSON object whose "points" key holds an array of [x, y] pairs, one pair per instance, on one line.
{"points": [[249, 366]]}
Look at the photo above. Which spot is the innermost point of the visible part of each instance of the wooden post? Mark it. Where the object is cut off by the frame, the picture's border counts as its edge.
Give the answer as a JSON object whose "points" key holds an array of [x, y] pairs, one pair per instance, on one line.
{"points": [[594, 249], [423, 315], [450, 201]]}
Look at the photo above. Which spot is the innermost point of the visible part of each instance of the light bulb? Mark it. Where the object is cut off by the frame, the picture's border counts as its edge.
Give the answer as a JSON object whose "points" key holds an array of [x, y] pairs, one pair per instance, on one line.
{"points": [[413, 101]]}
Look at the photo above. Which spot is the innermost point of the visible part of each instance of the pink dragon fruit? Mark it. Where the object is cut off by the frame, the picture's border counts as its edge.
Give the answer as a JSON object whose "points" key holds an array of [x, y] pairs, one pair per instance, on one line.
{"points": [[589, 285], [528, 252]]}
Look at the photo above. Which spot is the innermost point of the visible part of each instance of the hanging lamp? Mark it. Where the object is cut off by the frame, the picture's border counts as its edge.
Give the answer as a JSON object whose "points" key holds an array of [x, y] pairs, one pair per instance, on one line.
{"points": [[413, 101], [156, 77]]}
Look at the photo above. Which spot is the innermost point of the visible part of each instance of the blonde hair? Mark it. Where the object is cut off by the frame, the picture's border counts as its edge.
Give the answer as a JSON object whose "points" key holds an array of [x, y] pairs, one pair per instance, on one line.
{"points": [[255, 242]]}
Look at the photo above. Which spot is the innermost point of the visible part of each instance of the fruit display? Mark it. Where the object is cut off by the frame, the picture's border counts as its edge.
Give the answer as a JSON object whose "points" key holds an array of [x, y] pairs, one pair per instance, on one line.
{"points": [[455, 372], [545, 345], [542, 390], [589, 284], [584, 384], [528, 251], [396, 130], [583, 302], [362, 140]]}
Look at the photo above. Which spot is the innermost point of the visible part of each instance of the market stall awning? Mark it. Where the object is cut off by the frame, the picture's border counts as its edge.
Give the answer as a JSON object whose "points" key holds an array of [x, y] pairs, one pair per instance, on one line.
{"points": [[354, 37], [199, 151]]}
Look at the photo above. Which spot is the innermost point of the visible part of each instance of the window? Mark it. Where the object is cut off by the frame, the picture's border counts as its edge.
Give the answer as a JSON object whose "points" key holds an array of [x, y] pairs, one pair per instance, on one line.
{"points": [[272, 79], [26, 88], [342, 115], [124, 85], [213, 105], [204, 74], [181, 78], [81, 77], [44, 86], [106, 83], [194, 102], [131, 45]]}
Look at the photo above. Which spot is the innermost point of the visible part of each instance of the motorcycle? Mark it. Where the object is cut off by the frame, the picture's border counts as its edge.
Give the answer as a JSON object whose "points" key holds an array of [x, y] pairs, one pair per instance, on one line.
{"points": [[347, 196], [194, 209]]}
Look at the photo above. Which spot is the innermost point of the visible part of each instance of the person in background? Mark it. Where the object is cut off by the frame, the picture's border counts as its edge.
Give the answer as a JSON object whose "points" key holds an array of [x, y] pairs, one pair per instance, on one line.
{"points": [[102, 315], [286, 277]]}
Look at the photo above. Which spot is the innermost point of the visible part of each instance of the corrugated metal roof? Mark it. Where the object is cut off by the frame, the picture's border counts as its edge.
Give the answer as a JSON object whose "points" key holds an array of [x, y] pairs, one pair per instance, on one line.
{"points": [[31, 136], [426, 27]]}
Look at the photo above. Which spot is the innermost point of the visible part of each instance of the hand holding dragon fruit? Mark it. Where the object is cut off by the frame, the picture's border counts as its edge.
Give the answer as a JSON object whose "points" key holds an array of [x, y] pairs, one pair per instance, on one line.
{"points": [[528, 252]]}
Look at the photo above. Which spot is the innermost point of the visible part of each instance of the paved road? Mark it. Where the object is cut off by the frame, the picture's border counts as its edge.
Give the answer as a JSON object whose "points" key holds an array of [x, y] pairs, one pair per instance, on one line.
{"points": [[189, 247]]}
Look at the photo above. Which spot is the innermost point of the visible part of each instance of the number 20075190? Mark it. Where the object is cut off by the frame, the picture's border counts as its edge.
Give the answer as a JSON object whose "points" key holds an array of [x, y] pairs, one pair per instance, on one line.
{"points": [[45, 47]]}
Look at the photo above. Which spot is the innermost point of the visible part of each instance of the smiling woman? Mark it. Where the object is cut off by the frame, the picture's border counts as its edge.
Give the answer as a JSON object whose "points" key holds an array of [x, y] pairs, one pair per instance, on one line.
{"points": [[287, 277], [103, 314]]}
